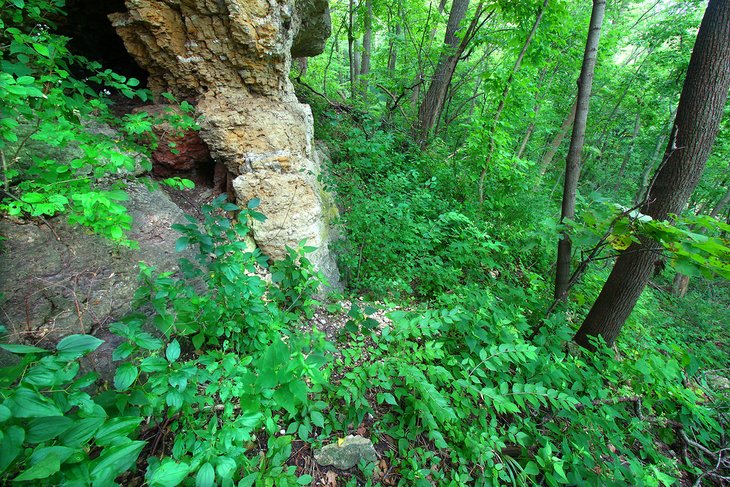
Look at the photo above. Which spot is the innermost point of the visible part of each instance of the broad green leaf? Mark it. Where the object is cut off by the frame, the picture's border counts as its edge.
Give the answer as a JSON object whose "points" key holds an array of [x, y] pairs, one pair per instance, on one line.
{"points": [[42, 50], [317, 418], [125, 376], [116, 459], [205, 476], [27, 403], [115, 428], [5, 413], [41, 470], [81, 432], [153, 364], [173, 351], [75, 346], [225, 467], [10, 445], [305, 480], [169, 474], [44, 429]]}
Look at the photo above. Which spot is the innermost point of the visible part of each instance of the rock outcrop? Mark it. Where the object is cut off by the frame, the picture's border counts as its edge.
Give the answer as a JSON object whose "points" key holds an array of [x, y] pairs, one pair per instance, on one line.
{"points": [[232, 58], [175, 151], [67, 280]]}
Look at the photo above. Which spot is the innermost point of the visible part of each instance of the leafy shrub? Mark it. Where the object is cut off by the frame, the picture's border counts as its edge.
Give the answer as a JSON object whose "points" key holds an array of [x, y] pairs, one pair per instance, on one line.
{"points": [[53, 430], [57, 150]]}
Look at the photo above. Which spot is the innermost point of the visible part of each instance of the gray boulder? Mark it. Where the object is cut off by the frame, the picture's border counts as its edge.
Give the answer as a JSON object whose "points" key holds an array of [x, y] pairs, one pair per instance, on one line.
{"points": [[348, 454], [80, 282]]}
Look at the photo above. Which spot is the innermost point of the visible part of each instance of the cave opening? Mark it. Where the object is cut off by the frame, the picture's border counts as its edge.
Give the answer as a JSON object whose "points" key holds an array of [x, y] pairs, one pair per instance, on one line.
{"points": [[93, 36]]}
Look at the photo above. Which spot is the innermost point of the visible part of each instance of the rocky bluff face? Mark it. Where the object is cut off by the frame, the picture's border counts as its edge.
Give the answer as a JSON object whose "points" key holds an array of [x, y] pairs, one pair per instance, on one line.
{"points": [[233, 58]]}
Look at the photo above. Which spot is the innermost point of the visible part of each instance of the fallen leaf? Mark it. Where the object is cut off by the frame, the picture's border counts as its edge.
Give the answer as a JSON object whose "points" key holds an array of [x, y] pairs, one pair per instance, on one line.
{"points": [[330, 479]]}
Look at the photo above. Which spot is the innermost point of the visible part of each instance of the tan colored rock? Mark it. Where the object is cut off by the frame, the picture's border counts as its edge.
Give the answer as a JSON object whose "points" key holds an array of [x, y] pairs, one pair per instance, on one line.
{"points": [[233, 57]]}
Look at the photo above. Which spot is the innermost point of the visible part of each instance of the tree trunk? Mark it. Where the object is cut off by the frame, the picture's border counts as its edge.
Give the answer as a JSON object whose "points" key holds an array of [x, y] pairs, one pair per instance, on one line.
{"points": [[351, 49], [433, 102], [700, 110], [629, 153], [573, 163], [393, 50], [644, 182], [503, 99], [558, 139], [366, 46]]}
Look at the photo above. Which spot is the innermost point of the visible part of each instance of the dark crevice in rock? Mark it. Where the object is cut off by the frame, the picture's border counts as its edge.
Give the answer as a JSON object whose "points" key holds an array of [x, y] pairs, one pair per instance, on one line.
{"points": [[93, 36]]}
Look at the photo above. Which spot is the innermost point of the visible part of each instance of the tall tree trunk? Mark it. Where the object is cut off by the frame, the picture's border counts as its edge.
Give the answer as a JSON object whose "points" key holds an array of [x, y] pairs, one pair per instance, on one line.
{"points": [[366, 46], [535, 110], [700, 110], [393, 50], [351, 49], [357, 58], [573, 162], [503, 99], [558, 139], [433, 102], [628, 154], [661, 141]]}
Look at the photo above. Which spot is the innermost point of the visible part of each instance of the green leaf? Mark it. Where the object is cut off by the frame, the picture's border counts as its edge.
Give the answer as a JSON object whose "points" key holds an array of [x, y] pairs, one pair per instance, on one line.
{"points": [[10, 445], [75, 346], [81, 432], [181, 244], [42, 50], [206, 476], [21, 349], [169, 473], [116, 428], [41, 470], [198, 340], [153, 364], [173, 351], [225, 467], [5, 413], [317, 418], [115, 460], [305, 480], [44, 429], [26, 403], [253, 203], [125, 376]]}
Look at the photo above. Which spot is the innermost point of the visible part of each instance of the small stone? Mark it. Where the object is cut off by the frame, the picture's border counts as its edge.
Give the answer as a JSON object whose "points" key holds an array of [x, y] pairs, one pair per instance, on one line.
{"points": [[347, 454]]}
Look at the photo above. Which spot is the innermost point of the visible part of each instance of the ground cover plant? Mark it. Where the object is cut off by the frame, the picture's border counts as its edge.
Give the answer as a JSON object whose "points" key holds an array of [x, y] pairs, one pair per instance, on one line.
{"points": [[464, 370]]}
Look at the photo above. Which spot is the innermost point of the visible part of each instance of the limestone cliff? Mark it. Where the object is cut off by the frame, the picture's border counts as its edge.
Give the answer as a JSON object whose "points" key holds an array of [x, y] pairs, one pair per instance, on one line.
{"points": [[232, 57]]}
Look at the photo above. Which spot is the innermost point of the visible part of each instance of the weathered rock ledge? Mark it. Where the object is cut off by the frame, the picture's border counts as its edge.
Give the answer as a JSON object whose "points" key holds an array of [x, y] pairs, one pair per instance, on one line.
{"points": [[232, 58]]}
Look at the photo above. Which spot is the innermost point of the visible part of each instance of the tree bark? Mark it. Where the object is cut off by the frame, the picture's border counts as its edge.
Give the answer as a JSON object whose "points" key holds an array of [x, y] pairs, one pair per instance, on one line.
{"points": [[433, 102], [558, 139], [629, 153], [700, 110], [351, 48], [503, 99], [366, 46], [644, 182], [393, 50], [573, 162]]}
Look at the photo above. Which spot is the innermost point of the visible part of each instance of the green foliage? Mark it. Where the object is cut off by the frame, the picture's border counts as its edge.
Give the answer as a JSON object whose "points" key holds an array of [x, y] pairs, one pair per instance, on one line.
{"points": [[52, 430], [58, 152], [226, 364]]}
